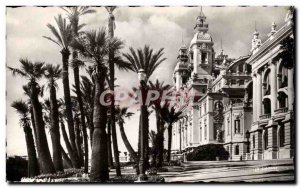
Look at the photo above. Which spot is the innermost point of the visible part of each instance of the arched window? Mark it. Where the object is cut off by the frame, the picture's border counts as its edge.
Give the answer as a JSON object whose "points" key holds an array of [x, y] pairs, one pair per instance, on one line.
{"points": [[266, 83], [282, 99], [283, 72], [267, 106]]}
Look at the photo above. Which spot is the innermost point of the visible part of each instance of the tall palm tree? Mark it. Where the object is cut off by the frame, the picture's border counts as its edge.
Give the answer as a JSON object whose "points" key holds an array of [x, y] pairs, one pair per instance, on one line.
{"points": [[94, 45], [148, 60], [23, 110], [112, 87], [53, 73], [74, 13], [63, 38], [33, 72], [171, 115], [121, 114], [160, 122]]}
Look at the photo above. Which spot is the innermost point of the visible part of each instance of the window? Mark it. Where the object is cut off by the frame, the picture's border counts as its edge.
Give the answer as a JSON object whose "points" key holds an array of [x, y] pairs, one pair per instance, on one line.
{"points": [[200, 132], [205, 130], [266, 139], [228, 126], [203, 57], [281, 135], [241, 82], [200, 109], [237, 126], [233, 82], [237, 150], [253, 141]]}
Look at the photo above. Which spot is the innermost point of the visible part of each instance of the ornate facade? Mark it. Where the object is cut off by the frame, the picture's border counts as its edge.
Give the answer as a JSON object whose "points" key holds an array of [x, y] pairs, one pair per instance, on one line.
{"points": [[223, 105], [272, 130]]}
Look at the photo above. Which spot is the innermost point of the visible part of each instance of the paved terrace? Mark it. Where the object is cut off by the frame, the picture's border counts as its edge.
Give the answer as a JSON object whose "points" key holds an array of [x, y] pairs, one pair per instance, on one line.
{"points": [[225, 171]]}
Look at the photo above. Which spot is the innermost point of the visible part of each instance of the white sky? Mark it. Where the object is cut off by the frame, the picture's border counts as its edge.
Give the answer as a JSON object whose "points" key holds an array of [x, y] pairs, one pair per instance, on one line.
{"points": [[158, 27]]}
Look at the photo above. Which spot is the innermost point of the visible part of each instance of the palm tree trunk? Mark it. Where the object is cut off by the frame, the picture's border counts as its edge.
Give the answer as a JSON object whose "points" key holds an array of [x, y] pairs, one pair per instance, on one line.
{"points": [[112, 105], [110, 159], [67, 143], [113, 120], [65, 78], [146, 139], [160, 139], [127, 143], [78, 140], [82, 118], [33, 127], [99, 168], [65, 157], [45, 161], [33, 166], [169, 141], [54, 131]]}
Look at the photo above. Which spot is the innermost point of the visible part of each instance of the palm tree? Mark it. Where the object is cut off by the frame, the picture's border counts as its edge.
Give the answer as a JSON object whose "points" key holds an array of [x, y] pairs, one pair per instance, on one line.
{"points": [[148, 60], [63, 38], [53, 73], [33, 72], [74, 14], [62, 118], [87, 91], [157, 105], [78, 129], [171, 115], [121, 114], [23, 110], [112, 87], [94, 45]]}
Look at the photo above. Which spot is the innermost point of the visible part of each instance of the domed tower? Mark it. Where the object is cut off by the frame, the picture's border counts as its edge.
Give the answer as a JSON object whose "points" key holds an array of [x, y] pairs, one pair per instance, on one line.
{"points": [[201, 53], [181, 72]]}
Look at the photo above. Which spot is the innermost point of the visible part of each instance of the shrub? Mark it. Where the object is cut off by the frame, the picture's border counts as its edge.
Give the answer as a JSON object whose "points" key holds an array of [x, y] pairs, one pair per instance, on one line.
{"points": [[208, 153], [16, 168]]}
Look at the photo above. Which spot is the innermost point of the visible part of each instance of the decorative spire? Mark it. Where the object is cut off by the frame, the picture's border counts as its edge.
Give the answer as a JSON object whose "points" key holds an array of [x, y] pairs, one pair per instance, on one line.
{"points": [[256, 33], [222, 51], [201, 25]]}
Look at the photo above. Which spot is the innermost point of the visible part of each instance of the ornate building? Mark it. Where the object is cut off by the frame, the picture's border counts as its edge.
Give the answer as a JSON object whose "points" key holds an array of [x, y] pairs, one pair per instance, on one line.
{"points": [[220, 92], [272, 130]]}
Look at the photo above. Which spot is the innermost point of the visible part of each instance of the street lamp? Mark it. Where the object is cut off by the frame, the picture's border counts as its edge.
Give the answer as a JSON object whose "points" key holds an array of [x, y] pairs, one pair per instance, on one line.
{"points": [[142, 79]]}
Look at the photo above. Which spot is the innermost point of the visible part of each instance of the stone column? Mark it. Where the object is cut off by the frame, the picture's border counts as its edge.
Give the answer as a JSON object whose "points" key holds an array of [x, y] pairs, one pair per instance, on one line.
{"points": [[259, 94], [195, 59], [291, 88], [254, 101], [273, 88]]}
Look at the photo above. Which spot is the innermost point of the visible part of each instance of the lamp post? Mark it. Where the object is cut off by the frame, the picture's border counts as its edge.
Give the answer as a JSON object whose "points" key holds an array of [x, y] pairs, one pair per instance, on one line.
{"points": [[142, 79], [248, 142]]}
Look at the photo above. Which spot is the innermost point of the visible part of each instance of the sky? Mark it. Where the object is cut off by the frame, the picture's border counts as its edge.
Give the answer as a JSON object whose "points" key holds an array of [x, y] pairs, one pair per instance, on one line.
{"points": [[159, 27]]}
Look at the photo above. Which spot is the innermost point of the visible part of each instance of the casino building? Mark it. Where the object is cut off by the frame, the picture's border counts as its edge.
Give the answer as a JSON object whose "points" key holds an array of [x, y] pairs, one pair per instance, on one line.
{"points": [[224, 109]]}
